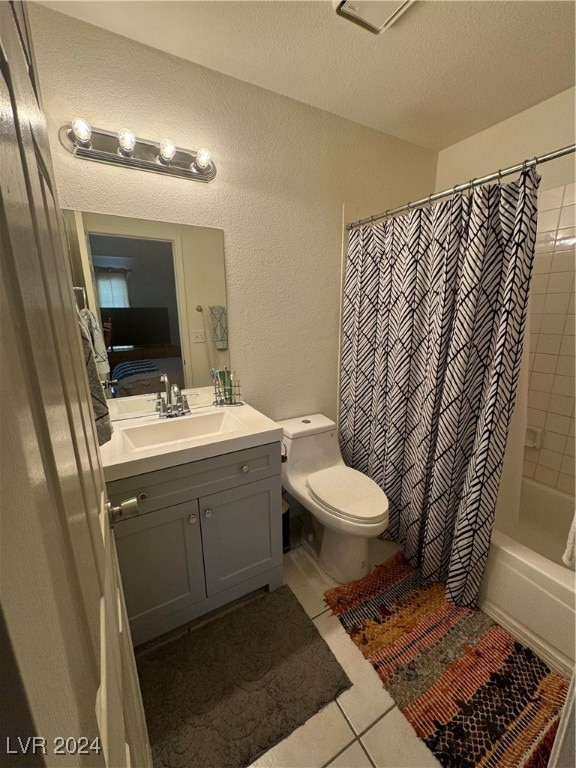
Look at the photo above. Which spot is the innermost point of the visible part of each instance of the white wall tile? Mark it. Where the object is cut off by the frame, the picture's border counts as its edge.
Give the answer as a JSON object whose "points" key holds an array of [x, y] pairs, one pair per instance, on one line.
{"points": [[542, 382], [569, 194], [563, 385], [539, 283], [567, 345], [559, 282], [540, 400], [545, 242], [531, 454], [564, 406], [557, 423], [548, 220], [546, 476], [536, 418], [550, 459], [537, 303], [570, 448], [552, 324], [549, 343], [571, 427], [556, 303], [565, 483], [569, 325], [565, 365], [535, 322], [562, 261], [567, 216], [542, 263], [550, 198], [554, 442], [545, 363], [565, 240], [567, 466]]}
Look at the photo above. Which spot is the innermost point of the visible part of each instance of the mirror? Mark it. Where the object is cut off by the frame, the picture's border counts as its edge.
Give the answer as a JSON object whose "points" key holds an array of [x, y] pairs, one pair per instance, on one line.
{"points": [[158, 291]]}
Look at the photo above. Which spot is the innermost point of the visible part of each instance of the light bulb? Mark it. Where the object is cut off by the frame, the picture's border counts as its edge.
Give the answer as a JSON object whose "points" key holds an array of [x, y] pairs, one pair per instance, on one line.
{"points": [[81, 130], [127, 141], [167, 150], [203, 159]]}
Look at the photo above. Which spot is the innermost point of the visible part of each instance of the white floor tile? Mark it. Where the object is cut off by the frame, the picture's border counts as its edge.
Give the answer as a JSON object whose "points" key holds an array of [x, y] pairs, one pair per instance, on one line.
{"points": [[392, 743], [307, 580], [367, 700], [353, 757], [313, 744]]}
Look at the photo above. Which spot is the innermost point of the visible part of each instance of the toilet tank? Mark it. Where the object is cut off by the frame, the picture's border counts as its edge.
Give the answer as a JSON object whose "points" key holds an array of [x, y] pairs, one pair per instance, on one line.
{"points": [[311, 443]]}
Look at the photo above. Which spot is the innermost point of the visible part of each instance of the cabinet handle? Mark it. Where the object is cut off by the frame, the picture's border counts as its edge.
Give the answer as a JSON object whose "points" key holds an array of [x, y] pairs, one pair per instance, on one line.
{"points": [[193, 519], [208, 512], [142, 497], [245, 468]]}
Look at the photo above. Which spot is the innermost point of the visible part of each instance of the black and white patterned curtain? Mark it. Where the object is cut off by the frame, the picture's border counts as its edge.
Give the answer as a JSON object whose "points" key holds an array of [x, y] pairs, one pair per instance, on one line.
{"points": [[433, 323]]}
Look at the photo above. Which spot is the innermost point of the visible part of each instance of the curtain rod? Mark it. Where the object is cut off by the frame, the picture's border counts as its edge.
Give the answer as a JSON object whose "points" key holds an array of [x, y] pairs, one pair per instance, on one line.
{"points": [[468, 185]]}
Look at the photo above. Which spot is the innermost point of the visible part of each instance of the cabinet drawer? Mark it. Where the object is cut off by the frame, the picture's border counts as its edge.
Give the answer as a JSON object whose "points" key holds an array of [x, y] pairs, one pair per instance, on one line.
{"points": [[175, 485]]}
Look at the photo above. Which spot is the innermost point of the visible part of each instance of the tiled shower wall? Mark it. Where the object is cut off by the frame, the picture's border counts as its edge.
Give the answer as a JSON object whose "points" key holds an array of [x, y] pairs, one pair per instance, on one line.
{"points": [[552, 350]]}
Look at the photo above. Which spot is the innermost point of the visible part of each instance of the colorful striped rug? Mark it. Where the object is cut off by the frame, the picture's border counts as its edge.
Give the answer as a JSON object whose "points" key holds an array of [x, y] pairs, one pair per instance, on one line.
{"points": [[473, 694]]}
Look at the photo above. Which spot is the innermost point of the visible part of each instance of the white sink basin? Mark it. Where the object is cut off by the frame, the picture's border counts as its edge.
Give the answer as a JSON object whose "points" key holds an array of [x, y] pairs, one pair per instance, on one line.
{"points": [[150, 443], [191, 427]]}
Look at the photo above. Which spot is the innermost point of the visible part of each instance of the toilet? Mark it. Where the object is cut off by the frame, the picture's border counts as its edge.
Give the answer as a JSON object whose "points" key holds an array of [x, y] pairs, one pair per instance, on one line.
{"points": [[349, 505]]}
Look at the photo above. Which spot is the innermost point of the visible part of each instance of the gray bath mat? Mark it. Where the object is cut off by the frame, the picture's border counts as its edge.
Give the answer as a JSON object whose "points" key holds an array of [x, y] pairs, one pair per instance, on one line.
{"points": [[226, 692]]}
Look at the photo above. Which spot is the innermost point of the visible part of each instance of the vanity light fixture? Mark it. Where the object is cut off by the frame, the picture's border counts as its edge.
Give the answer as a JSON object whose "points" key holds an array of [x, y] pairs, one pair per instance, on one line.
{"points": [[81, 131], [203, 160], [125, 149], [167, 151], [127, 142]]}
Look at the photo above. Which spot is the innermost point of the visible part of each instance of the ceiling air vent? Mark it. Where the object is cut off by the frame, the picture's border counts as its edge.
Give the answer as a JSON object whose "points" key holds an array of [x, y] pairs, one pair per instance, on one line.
{"points": [[374, 16]]}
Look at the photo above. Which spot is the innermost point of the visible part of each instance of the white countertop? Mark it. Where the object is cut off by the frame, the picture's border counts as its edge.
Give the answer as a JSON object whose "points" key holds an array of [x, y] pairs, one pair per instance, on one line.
{"points": [[121, 459]]}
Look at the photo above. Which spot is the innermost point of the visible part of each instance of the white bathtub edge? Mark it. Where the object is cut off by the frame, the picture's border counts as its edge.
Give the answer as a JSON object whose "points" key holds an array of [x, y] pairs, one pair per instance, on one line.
{"points": [[533, 598]]}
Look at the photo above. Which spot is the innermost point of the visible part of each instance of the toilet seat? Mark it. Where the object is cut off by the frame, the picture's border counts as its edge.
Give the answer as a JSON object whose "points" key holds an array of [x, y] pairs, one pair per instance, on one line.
{"points": [[348, 494]]}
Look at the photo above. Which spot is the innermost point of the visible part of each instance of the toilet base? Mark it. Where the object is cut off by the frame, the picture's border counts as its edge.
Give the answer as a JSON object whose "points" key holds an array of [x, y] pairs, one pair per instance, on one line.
{"points": [[343, 557]]}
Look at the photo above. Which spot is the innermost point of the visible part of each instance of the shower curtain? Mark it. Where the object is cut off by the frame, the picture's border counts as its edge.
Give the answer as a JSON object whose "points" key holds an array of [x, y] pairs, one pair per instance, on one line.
{"points": [[434, 311]]}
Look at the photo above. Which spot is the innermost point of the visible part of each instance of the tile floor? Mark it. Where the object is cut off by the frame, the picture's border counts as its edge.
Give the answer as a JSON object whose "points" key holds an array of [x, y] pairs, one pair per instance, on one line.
{"points": [[363, 728]]}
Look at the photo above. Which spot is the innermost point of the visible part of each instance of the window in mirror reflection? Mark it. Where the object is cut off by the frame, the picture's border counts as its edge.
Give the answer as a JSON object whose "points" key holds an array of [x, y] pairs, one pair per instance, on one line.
{"points": [[112, 286], [138, 306]]}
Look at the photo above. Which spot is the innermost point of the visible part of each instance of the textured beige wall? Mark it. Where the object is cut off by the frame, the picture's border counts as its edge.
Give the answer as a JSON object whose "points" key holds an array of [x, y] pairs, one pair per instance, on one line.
{"points": [[536, 131], [285, 171]]}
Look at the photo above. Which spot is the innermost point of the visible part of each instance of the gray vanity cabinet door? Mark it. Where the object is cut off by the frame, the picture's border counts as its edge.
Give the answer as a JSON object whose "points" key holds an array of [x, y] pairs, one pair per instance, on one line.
{"points": [[161, 562], [242, 533]]}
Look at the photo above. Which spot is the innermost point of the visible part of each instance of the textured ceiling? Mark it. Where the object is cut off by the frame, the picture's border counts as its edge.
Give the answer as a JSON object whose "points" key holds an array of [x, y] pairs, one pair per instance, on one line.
{"points": [[444, 71]]}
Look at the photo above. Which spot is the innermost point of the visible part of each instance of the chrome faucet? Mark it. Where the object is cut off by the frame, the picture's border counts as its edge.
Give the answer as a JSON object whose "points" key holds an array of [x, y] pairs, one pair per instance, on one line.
{"points": [[165, 380], [174, 403]]}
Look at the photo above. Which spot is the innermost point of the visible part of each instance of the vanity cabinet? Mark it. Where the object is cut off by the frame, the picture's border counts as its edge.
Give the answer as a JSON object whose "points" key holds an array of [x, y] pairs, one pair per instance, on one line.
{"points": [[206, 533]]}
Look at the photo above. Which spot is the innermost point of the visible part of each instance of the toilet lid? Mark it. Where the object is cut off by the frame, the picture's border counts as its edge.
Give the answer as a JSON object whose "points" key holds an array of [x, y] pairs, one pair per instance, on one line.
{"points": [[349, 493]]}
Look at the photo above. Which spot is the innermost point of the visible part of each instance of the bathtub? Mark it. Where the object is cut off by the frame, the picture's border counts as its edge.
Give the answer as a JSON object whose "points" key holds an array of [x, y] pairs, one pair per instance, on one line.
{"points": [[530, 592]]}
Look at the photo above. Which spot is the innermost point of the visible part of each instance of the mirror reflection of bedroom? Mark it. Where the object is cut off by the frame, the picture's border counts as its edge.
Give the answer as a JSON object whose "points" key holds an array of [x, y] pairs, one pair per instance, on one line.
{"points": [[136, 292], [157, 291]]}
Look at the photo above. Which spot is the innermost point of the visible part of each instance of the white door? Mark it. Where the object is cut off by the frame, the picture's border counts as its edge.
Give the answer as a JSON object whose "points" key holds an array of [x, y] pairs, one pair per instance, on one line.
{"points": [[69, 683]]}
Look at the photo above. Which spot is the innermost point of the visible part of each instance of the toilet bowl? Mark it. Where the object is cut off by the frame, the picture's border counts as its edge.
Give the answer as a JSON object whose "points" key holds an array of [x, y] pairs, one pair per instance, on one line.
{"points": [[348, 504]]}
